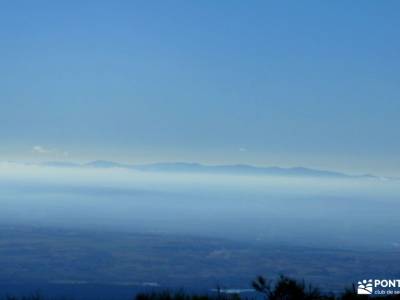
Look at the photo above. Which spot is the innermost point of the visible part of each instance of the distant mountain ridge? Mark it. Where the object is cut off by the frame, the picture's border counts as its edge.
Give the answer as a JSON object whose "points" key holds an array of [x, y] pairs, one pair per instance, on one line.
{"points": [[237, 169]]}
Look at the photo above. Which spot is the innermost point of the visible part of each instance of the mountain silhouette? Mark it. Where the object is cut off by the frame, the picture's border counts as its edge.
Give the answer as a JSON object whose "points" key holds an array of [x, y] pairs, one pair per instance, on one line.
{"points": [[236, 169]]}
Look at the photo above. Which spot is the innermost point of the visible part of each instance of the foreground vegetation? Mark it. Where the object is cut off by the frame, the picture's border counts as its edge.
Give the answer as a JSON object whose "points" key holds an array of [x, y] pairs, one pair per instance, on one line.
{"points": [[284, 288]]}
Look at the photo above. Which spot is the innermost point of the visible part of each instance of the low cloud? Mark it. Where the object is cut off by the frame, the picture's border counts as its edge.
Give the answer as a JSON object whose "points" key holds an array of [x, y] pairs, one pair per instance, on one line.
{"points": [[41, 150], [47, 151]]}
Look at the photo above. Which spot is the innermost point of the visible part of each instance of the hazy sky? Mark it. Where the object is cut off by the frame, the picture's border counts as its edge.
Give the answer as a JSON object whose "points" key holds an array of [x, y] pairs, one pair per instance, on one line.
{"points": [[312, 83]]}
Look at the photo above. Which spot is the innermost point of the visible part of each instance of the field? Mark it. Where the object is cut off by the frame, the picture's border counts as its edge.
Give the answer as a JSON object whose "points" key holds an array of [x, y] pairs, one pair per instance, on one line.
{"points": [[43, 258]]}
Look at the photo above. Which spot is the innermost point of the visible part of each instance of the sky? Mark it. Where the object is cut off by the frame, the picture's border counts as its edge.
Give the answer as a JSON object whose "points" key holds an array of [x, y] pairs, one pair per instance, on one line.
{"points": [[287, 83]]}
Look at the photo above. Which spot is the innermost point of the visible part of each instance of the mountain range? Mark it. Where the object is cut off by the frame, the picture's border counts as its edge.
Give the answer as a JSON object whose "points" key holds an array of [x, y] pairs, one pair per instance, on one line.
{"points": [[237, 169]]}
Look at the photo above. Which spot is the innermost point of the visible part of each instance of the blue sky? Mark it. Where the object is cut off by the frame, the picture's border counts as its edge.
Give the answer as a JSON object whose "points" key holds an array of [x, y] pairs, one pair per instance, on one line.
{"points": [[312, 83]]}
